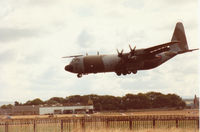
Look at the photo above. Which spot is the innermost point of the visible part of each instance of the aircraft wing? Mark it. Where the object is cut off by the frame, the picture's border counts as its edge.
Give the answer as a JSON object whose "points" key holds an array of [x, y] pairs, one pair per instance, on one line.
{"points": [[72, 56], [160, 48]]}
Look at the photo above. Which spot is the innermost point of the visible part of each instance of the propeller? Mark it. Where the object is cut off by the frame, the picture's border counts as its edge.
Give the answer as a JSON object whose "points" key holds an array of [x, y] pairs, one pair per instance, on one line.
{"points": [[120, 53], [132, 50]]}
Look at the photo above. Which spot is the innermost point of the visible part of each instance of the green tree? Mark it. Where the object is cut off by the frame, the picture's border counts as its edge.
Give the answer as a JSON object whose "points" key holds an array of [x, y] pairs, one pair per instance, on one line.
{"points": [[9, 106], [36, 101], [55, 100], [17, 103]]}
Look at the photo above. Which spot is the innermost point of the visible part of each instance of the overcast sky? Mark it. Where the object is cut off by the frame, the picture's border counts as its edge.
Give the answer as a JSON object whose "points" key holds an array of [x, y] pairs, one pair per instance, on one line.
{"points": [[35, 34]]}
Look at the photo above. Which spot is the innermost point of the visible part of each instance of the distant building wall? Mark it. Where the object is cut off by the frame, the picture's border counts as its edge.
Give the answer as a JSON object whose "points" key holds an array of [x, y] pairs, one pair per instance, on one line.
{"points": [[192, 103], [5, 111], [25, 110], [65, 109]]}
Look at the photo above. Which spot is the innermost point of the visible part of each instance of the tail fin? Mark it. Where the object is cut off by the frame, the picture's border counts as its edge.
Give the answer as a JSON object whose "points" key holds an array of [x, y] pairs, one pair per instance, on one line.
{"points": [[179, 35]]}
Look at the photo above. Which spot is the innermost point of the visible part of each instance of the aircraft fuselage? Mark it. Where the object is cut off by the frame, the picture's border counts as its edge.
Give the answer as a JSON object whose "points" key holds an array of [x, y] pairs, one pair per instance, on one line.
{"points": [[114, 63]]}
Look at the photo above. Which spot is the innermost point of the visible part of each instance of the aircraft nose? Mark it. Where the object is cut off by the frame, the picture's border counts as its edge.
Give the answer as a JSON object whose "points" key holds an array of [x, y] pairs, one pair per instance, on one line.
{"points": [[69, 68]]}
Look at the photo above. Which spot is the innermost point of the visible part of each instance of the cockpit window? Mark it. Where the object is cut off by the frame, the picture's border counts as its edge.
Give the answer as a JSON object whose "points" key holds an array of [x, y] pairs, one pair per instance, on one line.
{"points": [[75, 60]]}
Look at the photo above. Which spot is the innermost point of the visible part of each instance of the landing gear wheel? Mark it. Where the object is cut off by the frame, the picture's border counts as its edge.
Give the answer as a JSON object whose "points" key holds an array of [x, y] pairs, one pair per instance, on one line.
{"points": [[118, 73], [124, 73], [134, 72], [79, 75]]}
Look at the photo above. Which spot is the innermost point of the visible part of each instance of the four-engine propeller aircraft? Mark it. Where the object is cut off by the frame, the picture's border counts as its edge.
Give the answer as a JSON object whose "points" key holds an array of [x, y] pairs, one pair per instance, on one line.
{"points": [[136, 59]]}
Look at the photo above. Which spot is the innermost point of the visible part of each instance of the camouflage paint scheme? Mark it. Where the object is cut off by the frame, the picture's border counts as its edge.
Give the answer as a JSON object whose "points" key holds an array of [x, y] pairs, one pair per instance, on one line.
{"points": [[126, 63]]}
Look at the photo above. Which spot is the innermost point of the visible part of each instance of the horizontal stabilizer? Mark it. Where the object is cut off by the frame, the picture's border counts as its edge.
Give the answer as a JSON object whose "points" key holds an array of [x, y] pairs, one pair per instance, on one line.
{"points": [[159, 47], [181, 52]]}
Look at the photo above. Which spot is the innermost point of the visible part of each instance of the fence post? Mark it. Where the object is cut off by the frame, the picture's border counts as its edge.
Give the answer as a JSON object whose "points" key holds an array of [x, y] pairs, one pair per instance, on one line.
{"points": [[61, 125], [6, 126], [83, 124], [154, 122], [107, 123], [176, 123], [34, 126], [130, 124]]}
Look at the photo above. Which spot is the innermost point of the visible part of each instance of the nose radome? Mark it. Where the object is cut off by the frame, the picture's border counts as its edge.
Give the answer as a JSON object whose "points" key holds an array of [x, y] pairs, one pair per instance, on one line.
{"points": [[69, 68]]}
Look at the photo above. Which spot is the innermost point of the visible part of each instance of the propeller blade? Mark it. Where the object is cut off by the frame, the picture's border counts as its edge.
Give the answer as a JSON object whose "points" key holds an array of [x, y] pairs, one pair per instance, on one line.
{"points": [[132, 52], [122, 51], [117, 51], [134, 48], [130, 47]]}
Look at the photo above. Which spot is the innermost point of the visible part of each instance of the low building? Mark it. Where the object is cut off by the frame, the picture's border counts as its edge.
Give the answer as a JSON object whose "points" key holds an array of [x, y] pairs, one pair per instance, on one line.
{"points": [[192, 103], [66, 110], [25, 110], [5, 111]]}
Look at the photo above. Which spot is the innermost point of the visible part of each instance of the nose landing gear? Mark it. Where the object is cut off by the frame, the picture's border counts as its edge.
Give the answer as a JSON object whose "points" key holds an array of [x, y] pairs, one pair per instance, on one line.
{"points": [[79, 75]]}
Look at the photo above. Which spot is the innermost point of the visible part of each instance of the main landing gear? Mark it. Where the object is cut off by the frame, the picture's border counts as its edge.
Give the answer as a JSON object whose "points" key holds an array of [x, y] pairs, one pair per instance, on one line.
{"points": [[125, 72]]}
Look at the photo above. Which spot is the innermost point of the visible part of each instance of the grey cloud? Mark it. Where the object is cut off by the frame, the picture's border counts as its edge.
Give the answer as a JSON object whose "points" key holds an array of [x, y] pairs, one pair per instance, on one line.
{"points": [[11, 34], [5, 10], [6, 56], [35, 58], [24, 3], [178, 2], [41, 2], [134, 4], [84, 39], [84, 11]]}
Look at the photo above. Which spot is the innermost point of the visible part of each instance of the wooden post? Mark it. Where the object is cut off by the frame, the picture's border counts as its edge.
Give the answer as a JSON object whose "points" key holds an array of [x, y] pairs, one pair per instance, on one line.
{"points": [[107, 123], [176, 123], [61, 125], [83, 124], [130, 124], [198, 123], [6, 126], [154, 123], [34, 126]]}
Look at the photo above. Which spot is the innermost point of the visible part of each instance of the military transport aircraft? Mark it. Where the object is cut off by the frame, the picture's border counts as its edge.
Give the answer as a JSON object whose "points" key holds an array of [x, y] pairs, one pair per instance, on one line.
{"points": [[131, 62]]}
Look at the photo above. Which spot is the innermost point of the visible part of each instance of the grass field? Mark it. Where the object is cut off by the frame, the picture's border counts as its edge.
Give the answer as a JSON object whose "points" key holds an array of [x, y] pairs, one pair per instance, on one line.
{"points": [[186, 112], [142, 130]]}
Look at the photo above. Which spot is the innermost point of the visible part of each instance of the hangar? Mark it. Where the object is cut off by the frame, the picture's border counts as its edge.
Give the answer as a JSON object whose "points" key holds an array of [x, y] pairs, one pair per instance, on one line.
{"points": [[66, 110]]}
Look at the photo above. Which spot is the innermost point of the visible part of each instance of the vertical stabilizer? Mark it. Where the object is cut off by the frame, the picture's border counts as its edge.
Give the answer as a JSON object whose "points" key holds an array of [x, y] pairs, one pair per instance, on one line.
{"points": [[179, 35]]}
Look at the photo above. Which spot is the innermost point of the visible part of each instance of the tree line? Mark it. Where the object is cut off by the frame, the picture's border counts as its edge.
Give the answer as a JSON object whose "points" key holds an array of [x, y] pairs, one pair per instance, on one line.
{"points": [[107, 102]]}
